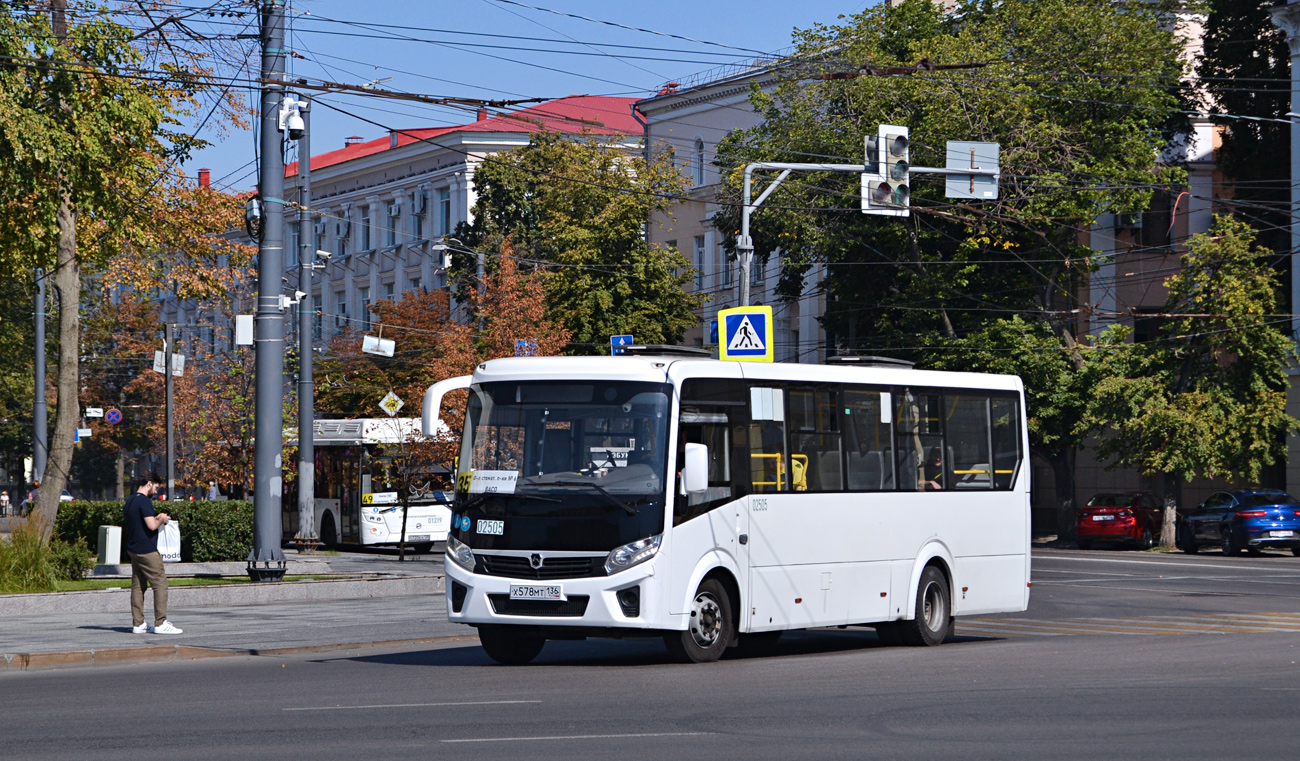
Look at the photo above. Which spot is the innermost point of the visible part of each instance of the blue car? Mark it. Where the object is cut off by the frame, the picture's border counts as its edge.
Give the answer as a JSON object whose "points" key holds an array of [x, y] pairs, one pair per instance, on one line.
{"points": [[1249, 519]]}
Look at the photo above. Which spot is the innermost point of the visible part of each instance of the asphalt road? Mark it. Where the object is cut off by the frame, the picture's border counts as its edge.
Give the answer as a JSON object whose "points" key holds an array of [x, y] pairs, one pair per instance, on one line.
{"points": [[1122, 655]]}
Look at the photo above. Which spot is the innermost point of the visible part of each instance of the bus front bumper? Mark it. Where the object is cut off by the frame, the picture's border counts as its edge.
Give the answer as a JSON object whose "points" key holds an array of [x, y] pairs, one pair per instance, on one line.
{"points": [[626, 600]]}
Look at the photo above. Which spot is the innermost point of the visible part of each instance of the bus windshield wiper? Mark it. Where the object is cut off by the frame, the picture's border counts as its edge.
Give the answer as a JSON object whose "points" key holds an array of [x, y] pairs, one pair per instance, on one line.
{"points": [[606, 492]]}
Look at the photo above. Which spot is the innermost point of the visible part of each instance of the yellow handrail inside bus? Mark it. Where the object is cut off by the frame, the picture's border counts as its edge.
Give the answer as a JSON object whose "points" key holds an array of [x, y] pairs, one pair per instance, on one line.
{"points": [[798, 468]]}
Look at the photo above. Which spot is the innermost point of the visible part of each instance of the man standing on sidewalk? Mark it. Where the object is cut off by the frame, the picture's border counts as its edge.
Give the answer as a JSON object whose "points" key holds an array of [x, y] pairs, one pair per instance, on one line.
{"points": [[142, 525]]}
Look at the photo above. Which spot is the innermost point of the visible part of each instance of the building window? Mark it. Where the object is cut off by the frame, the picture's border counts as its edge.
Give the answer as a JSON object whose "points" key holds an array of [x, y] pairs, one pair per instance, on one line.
{"points": [[699, 262], [364, 243], [292, 257], [340, 309], [444, 211], [363, 296], [697, 162], [724, 267], [388, 291], [418, 199], [756, 274], [390, 229], [414, 284], [316, 317]]}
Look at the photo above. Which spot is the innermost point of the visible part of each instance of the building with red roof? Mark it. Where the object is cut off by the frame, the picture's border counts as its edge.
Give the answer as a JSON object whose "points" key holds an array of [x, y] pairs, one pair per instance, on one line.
{"points": [[381, 203]]}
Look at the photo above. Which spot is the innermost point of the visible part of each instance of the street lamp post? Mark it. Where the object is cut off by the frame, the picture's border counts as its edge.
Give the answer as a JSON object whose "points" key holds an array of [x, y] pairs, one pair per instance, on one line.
{"points": [[306, 537]]}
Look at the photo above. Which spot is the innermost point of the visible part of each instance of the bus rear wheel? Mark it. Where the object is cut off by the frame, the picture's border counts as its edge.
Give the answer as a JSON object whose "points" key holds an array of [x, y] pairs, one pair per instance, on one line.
{"points": [[933, 622], [511, 645], [709, 630]]}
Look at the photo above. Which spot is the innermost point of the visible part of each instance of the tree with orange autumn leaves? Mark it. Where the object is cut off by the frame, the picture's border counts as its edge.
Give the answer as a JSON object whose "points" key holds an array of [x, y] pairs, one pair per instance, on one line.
{"points": [[433, 343]]}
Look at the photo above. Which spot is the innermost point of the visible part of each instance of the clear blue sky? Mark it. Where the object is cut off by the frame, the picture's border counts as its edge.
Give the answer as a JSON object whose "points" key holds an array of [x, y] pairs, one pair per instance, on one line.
{"points": [[424, 48]]}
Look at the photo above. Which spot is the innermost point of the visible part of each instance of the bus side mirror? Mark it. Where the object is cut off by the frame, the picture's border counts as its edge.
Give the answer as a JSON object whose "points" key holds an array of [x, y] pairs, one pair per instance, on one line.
{"points": [[695, 469]]}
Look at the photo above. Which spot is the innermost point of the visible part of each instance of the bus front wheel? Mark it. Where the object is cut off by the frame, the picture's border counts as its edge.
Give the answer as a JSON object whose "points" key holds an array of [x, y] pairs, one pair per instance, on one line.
{"points": [[710, 627], [933, 622], [511, 645]]}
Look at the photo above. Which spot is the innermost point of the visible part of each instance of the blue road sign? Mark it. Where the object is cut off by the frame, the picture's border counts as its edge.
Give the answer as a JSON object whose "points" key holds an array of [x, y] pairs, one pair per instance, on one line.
{"points": [[746, 334], [616, 344]]}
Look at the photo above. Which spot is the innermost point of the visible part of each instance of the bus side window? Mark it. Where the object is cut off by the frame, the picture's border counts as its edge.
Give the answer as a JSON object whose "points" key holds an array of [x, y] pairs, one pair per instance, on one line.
{"points": [[713, 413], [967, 424], [923, 465], [869, 440], [767, 458], [1004, 413], [816, 451]]}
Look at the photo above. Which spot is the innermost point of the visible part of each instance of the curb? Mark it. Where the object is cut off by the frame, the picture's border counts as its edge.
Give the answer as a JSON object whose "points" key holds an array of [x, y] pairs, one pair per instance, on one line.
{"points": [[251, 593], [112, 656]]}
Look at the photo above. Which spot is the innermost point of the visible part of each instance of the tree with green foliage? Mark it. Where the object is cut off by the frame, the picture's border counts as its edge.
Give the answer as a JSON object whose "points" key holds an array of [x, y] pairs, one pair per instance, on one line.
{"points": [[1245, 69], [575, 208], [1048, 84], [17, 338], [88, 141], [1209, 398], [1080, 96]]}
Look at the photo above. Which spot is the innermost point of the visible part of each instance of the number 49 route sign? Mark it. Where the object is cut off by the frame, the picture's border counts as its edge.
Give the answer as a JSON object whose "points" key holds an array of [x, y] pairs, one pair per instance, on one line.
{"points": [[745, 334]]}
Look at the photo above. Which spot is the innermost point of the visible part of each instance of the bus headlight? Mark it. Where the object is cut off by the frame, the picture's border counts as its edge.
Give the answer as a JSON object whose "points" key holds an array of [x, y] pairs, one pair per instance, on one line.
{"points": [[459, 553], [373, 517], [633, 553]]}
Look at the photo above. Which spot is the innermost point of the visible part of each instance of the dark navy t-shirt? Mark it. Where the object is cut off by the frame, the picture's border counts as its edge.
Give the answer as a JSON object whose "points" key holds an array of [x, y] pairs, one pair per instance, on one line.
{"points": [[139, 539]]}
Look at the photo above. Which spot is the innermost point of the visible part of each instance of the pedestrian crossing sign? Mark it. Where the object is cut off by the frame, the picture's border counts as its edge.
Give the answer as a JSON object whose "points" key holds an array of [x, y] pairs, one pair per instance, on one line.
{"points": [[746, 334]]}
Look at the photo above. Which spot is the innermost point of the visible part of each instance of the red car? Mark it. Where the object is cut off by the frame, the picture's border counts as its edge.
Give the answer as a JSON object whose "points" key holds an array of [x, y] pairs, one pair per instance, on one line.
{"points": [[1133, 518]]}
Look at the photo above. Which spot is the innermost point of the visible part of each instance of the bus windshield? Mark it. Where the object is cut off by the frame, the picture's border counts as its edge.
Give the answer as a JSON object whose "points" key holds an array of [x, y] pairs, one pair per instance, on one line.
{"points": [[567, 465]]}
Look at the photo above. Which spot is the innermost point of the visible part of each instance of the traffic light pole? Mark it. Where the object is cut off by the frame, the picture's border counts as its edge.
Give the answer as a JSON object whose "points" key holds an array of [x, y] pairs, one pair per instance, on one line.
{"points": [[266, 562], [745, 244]]}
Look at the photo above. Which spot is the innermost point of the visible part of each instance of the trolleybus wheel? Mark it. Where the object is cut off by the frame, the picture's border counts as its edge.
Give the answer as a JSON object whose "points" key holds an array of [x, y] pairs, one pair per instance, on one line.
{"points": [[511, 645], [709, 629], [933, 622]]}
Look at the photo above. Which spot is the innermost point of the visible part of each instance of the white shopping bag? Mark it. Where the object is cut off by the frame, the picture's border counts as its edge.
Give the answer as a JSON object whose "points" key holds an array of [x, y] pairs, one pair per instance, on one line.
{"points": [[169, 542]]}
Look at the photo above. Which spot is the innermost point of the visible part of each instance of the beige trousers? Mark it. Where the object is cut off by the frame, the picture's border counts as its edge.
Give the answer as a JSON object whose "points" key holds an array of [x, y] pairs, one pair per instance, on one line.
{"points": [[148, 570]]}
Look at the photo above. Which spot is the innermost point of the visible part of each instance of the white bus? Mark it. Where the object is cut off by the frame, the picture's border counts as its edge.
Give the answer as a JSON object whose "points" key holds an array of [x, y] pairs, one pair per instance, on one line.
{"points": [[720, 503], [357, 499]]}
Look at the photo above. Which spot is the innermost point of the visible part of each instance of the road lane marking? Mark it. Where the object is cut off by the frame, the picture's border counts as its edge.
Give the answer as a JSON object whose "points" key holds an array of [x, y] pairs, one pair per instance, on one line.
{"points": [[576, 737], [1247, 623], [412, 705], [1236, 564]]}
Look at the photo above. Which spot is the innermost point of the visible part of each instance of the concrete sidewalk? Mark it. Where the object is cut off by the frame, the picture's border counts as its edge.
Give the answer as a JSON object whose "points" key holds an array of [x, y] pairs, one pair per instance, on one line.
{"points": [[391, 602]]}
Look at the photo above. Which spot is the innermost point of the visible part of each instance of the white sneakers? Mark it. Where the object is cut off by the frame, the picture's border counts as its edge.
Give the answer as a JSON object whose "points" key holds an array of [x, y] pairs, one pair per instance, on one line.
{"points": [[141, 629], [165, 628]]}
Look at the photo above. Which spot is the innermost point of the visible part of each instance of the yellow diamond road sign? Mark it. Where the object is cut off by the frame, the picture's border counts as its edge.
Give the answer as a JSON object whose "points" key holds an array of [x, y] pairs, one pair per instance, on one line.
{"points": [[745, 334], [390, 404]]}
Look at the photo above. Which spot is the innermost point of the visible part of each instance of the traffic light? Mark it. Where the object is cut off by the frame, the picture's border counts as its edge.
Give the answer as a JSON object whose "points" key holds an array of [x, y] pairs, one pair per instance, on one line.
{"points": [[887, 192]]}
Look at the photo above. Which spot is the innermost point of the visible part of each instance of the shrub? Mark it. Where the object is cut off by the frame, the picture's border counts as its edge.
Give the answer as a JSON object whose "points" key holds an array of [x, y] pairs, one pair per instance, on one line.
{"points": [[26, 563], [71, 559], [210, 531]]}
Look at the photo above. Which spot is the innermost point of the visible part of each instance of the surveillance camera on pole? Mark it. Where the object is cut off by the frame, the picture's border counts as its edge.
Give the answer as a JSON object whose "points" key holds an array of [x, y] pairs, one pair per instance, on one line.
{"points": [[887, 191], [290, 117]]}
